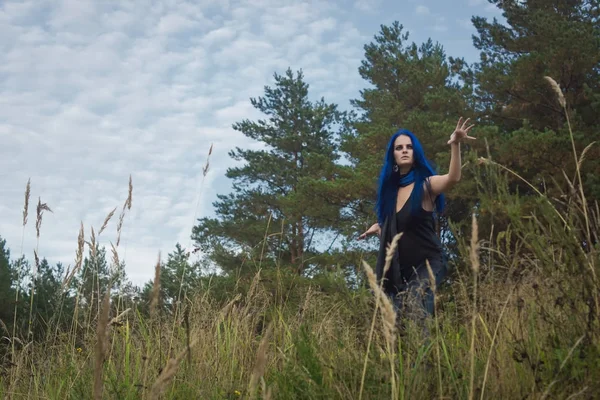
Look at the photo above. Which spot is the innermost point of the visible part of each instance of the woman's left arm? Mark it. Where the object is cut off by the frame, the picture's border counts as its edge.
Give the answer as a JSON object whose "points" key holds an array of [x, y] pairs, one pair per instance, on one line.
{"points": [[443, 183]]}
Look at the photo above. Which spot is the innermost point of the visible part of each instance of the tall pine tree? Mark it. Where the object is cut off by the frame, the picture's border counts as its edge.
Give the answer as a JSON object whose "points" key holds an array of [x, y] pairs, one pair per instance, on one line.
{"points": [[271, 216], [558, 38]]}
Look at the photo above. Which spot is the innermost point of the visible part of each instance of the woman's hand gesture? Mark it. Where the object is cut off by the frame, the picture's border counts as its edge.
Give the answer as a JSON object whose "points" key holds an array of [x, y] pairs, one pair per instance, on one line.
{"points": [[461, 132], [374, 229]]}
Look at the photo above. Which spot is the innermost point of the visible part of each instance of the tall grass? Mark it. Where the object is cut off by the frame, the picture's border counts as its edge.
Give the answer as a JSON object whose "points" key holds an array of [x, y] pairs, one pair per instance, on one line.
{"points": [[518, 320]]}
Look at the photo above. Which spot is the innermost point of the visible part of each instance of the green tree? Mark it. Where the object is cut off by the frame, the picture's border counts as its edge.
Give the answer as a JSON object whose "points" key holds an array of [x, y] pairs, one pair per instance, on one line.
{"points": [[96, 276], [21, 274], [51, 307], [7, 294], [178, 277], [558, 38], [272, 215]]}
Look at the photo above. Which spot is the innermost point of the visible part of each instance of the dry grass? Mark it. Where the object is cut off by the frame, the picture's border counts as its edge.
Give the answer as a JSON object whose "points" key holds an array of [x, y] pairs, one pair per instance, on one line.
{"points": [[167, 374], [330, 343], [433, 286], [101, 346], [474, 256], [388, 314], [261, 363]]}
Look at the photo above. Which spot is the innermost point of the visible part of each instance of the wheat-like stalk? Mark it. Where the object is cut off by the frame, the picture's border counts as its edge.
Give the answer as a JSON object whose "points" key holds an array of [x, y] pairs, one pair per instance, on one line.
{"points": [[591, 260], [433, 285], [184, 269], [487, 364], [101, 345], [207, 165], [117, 319], [93, 242], [18, 286], [78, 259], [378, 292], [474, 255], [115, 255], [155, 296], [267, 393], [154, 309], [390, 250], [253, 286], [105, 223], [36, 260], [129, 194], [388, 317], [225, 310], [167, 374], [26, 205], [584, 153], [41, 207], [557, 90], [126, 206], [260, 363]]}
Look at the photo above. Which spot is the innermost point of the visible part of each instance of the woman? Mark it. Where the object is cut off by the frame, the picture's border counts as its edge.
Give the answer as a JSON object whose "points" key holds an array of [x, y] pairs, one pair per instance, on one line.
{"points": [[409, 191]]}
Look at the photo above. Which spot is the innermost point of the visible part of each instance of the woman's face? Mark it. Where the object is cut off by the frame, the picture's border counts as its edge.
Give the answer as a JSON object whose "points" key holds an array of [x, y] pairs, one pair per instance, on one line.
{"points": [[403, 153]]}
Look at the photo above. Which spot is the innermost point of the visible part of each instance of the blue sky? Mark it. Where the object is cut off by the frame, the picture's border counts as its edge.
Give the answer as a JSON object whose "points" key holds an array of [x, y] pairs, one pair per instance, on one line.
{"points": [[93, 91]]}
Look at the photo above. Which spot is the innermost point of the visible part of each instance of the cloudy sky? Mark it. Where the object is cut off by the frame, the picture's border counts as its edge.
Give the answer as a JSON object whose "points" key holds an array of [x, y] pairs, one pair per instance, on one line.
{"points": [[93, 91]]}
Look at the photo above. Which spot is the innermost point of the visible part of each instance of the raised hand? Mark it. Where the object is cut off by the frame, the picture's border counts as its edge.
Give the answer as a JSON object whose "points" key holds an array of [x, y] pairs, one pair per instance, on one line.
{"points": [[461, 132]]}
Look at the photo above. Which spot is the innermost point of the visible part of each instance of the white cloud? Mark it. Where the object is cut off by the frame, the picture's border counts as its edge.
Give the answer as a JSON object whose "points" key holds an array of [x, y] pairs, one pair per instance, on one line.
{"points": [[218, 36], [92, 92], [422, 10], [174, 23]]}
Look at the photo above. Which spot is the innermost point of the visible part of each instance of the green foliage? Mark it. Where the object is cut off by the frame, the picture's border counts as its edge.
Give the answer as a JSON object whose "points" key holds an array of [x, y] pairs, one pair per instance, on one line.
{"points": [[303, 378], [7, 296], [272, 214], [557, 38], [411, 86], [96, 276], [178, 278]]}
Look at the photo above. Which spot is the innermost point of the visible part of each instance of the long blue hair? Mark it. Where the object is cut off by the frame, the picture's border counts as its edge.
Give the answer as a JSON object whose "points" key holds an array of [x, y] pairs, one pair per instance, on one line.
{"points": [[389, 180]]}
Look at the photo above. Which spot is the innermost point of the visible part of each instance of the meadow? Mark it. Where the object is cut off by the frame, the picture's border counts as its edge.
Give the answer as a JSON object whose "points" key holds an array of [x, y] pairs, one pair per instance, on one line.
{"points": [[519, 319]]}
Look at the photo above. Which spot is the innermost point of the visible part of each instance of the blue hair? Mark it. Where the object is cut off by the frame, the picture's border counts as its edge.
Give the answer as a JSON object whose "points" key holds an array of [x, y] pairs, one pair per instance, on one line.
{"points": [[388, 179]]}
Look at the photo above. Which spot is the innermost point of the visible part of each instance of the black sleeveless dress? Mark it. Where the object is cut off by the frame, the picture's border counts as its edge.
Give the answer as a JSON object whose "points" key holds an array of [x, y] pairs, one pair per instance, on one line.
{"points": [[418, 243]]}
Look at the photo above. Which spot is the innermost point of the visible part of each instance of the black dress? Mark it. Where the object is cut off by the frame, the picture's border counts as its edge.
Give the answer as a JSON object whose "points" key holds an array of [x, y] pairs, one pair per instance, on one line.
{"points": [[419, 242]]}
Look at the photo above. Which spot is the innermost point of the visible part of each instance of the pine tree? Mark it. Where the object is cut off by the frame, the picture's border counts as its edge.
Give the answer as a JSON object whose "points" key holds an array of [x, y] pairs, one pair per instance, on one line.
{"points": [[50, 307], [178, 279], [557, 38], [7, 295], [96, 276], [271, 215]]}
